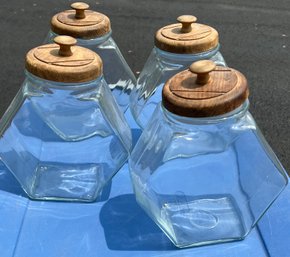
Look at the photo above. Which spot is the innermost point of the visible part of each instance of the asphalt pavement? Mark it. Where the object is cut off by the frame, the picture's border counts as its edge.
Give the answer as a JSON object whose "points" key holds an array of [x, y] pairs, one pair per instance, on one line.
{"points": [[254, 38]]}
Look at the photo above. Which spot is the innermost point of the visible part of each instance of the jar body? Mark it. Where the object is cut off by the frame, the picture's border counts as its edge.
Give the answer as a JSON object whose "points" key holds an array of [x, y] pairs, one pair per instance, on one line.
{"points": [[205, 181], [159, 67], [117, 72], [64, 141]]}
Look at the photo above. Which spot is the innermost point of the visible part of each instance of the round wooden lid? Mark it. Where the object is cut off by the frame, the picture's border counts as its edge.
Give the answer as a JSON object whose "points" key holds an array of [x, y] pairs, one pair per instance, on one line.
{"points": [[81, 22], [205, 90], [186, 37], [64, 62]]}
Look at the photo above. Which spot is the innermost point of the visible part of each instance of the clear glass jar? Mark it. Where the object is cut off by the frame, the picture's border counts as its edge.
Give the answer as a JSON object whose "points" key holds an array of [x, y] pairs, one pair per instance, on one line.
{"points": [[205, 180], [201, 169], [117, 72], [169, 57], [64, 141]]}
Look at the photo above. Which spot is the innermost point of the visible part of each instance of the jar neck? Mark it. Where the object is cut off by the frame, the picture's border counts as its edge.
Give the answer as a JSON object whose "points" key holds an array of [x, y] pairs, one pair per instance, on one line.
{"points": [[61, 85], [188, 121], [92, 41], [190, 57]]}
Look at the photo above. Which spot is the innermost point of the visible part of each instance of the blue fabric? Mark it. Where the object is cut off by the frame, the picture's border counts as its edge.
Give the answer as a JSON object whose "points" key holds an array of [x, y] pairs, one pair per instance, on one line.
{"points": [[116, 226]]}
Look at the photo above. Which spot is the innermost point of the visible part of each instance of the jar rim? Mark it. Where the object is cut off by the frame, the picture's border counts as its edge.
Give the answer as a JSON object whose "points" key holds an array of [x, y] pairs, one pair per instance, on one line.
{"points": [[202, 55], [90, 41], [62, 85], [236, 113]]}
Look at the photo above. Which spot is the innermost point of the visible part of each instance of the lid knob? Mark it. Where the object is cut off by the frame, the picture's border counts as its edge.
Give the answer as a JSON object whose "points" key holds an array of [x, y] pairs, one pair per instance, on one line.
{"points": [[80, 8], [65, 43], [186, 21], [202, 69]]}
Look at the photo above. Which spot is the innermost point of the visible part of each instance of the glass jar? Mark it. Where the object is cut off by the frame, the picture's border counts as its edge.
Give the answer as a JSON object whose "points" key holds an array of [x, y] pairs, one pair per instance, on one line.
{"points": [[175, 49], [93, 31], [64, 136], [201, 169]]}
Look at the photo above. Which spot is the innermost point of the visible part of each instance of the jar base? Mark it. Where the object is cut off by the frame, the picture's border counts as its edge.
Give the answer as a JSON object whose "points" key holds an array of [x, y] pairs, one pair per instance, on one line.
{"points": [[201, 221], [56, 181]]}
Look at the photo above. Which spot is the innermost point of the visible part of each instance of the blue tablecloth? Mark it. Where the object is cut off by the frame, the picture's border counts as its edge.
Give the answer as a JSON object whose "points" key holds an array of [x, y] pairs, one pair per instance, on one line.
{"points": [[116, 226]]}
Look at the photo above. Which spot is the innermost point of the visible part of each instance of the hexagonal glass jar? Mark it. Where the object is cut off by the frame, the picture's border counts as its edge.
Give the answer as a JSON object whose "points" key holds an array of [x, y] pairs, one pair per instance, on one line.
{"points": [[93, 31], [64, 140], [205, 180], [167, 58]]}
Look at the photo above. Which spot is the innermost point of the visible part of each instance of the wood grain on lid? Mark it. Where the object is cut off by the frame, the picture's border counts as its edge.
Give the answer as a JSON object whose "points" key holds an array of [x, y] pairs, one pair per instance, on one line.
{"points": [[80, 22], [64, 62], [186, 37], [205, 90]]}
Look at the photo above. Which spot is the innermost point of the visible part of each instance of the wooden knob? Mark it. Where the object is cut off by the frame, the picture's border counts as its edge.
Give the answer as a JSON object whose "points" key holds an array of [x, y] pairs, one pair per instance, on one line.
{"points": [[65, 43], [80, 8], [186, 21], [202, 69]]}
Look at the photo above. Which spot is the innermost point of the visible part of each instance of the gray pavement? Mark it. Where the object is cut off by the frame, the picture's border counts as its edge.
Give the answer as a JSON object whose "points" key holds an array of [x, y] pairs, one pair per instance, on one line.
{"points": [[254, 37]]}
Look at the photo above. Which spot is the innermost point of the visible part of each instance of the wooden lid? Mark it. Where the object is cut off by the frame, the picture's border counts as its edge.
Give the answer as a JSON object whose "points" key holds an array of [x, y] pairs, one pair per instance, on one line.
{"points": [[186, 37], [64, 62], [80, 22], [205, 90]]}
